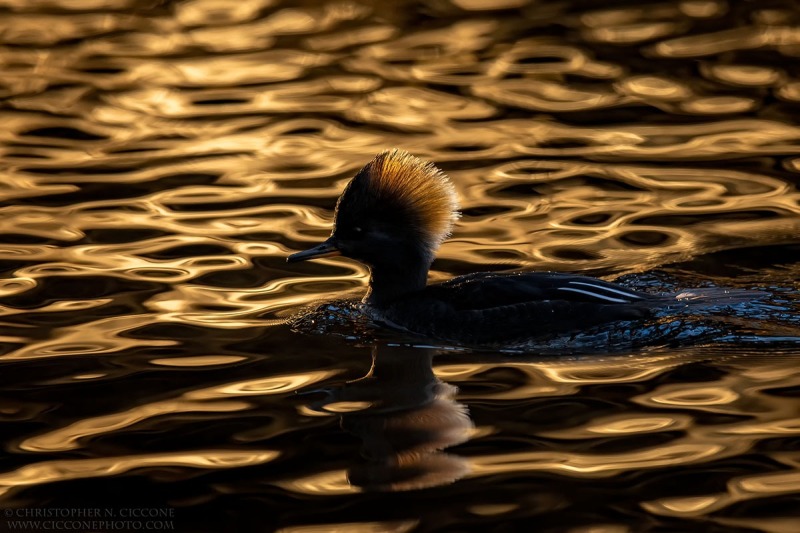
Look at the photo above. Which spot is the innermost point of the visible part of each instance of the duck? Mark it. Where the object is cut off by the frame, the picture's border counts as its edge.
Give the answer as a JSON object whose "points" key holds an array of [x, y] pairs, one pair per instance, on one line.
{"points": [[394, 215]]}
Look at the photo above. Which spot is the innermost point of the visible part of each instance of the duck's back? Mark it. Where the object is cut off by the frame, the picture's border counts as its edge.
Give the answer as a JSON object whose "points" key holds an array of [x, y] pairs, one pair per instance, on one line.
{"points": [[488, 308]]}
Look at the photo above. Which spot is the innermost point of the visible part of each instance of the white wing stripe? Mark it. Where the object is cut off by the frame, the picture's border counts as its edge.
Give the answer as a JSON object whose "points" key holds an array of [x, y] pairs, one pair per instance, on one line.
{"points": [[607, 289], [593, 295]]}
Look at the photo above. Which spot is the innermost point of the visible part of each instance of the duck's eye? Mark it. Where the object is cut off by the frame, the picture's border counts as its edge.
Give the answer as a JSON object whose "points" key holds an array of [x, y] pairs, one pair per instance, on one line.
{"points": [[358, 230]]}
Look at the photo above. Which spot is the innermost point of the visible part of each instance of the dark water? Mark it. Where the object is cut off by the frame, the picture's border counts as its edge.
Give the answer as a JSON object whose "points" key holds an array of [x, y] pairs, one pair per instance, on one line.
{"points": [[161, 159]]}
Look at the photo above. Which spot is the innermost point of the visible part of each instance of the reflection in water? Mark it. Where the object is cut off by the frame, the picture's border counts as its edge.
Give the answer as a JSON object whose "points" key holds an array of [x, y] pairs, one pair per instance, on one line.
{"points": [[161, 159], [404, 416]]}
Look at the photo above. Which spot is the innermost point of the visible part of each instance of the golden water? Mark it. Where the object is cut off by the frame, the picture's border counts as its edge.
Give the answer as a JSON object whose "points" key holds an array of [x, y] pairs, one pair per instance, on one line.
{"points": [[161, 159]]}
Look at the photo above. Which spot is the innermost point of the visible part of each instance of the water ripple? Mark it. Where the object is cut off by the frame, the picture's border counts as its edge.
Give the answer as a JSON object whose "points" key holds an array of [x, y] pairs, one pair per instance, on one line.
{"points": [[161, 159]]}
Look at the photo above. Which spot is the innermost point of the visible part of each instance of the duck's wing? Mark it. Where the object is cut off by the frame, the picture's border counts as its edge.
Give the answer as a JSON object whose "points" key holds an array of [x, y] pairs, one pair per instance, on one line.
{"points": [[506, 323], [488, 290], [489, 308]]}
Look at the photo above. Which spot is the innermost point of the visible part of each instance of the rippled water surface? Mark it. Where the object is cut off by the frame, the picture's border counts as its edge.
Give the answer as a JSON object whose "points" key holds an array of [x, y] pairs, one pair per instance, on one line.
{"points": [[160, 159]]}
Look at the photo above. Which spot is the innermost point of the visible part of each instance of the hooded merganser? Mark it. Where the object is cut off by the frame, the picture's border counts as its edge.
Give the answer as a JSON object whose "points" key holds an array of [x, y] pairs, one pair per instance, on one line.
{"points": [[393, 216]]}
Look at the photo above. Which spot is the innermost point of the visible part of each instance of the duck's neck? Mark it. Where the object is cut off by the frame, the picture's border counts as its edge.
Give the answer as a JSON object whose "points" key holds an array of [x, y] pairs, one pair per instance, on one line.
{"points": [[391, 280]]}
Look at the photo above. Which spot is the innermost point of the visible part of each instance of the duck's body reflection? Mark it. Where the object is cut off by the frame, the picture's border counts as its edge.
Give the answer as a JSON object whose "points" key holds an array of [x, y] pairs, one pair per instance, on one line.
{"points": [[405, 416]]}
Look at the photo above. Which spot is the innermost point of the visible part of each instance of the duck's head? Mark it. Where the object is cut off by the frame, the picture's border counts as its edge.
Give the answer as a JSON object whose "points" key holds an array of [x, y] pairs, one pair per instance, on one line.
{"points": [[396, 210]]}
